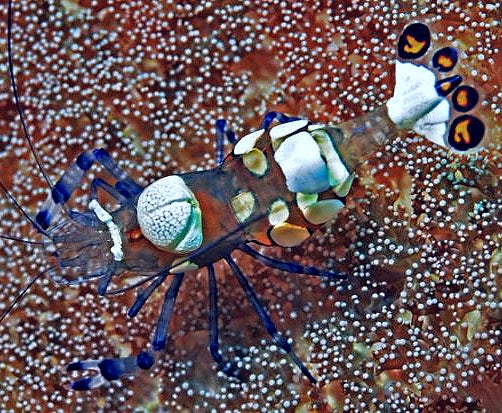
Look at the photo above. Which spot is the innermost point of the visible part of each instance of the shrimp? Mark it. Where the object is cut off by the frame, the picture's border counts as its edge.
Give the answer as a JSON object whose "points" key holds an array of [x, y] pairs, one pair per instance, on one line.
{"points": [[280, 184]]}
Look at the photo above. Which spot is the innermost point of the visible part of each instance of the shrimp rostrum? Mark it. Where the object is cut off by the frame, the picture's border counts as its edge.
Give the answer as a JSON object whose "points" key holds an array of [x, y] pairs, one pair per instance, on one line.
{"points": [[279, 184]]}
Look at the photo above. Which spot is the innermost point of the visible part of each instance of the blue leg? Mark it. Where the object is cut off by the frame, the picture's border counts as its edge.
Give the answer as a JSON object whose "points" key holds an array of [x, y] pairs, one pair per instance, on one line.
{"points": [[125, 185], [98, 183], [116, 368], [214, 346], [105, 279], [87, 219], [73, 175], [160, 336], [145, 294], [290, 267], [270, 117], [266, 320], [110, 369], [222, 131]]}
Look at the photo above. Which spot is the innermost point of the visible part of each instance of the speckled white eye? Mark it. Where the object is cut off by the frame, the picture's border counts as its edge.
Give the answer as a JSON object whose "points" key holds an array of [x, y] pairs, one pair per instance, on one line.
{"points": [[169, 215]]}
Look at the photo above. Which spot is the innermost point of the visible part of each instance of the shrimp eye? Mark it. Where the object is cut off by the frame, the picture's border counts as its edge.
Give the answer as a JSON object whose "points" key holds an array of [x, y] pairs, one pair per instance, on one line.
{"points": [[466, 132], [169, 215], [464, 98], [445, 59], [414, 41]]}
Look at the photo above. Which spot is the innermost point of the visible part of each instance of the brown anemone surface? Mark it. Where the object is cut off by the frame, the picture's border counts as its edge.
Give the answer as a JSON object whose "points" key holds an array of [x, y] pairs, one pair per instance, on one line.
{"points": [[417, 327]]}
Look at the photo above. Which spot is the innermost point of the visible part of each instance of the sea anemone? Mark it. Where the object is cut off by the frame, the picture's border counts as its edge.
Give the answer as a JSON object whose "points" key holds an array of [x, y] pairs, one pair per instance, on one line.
{"points": [[418, 325]]}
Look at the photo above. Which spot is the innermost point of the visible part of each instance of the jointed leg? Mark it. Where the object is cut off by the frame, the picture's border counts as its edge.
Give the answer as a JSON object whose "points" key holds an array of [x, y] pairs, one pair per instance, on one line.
{"points": [[145, 294], [290, 267], [98, 183], [125, 186], [266, 320], [278, 116], [222, 131], [160, 336], [116, 368], [214, 347], [110, 369]]}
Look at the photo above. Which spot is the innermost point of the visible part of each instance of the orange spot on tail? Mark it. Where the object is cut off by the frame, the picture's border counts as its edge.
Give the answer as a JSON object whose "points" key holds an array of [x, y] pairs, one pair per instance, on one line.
{"points": [[414, 46], [445, 62], [462, 134], [462, 98]]}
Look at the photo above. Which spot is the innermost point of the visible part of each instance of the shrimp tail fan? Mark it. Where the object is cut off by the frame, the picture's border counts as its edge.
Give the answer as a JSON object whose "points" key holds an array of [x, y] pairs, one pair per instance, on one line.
{"points": [[430, 102]]}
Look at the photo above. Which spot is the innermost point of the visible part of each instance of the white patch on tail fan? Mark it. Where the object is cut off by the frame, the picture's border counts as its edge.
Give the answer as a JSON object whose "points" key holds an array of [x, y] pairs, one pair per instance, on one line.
{"points": [[416, 104]]}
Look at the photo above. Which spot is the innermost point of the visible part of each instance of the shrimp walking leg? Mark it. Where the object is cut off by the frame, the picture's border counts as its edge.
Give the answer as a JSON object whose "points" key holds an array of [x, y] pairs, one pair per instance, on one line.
{"points": [[223, 131], [290, 267], [145, 294], [98, 183], [160, 337], [266, 320], [110, 369], [270, 117], [124, 188], [214, 345]]}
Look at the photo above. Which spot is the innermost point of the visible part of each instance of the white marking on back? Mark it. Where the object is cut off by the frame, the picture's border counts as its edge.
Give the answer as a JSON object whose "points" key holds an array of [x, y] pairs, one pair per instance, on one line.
{"points": [[316, 126], [299, 158], [337, 169], [246, 143], [285, 129]]}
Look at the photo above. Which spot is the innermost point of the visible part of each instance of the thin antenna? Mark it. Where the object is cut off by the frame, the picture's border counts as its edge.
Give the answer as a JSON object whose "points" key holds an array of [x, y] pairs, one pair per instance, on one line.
{"points": [[21, 295], [23, 241], [20, 208], [16, 95]]}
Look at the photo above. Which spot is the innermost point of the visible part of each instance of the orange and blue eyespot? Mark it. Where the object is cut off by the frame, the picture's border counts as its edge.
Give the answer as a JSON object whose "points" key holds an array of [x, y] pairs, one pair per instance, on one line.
{"points": [[445, 59], [465, 98], [466, 132], [414, 41]]}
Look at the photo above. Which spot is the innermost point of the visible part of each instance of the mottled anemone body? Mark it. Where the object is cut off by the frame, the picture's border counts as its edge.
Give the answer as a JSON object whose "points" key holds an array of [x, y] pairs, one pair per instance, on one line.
{"points": [[419, 324]]}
